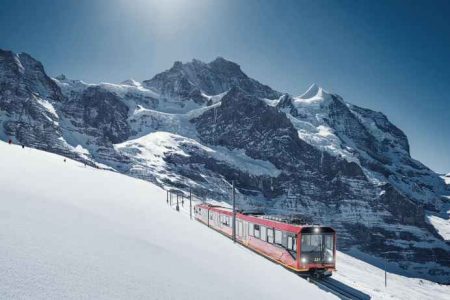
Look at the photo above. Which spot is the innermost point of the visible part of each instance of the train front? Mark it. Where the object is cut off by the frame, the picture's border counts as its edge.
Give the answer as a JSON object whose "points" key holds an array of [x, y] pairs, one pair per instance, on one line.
{"points": [[318, 250]]}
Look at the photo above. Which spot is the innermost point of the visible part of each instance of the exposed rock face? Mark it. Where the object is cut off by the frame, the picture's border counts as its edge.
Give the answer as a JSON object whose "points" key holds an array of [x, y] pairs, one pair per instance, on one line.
{"points": [[27, 103], [103, 111], [200, 125], [243, 122], [194, 79]]}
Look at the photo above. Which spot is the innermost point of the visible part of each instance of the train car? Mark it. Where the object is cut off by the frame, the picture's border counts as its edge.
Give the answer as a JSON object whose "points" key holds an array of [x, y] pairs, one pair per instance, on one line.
{"points": [[307, 249]]}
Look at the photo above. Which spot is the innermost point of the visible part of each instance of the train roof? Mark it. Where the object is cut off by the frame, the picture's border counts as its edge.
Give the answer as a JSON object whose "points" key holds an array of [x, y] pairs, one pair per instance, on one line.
{"points": [[269, 222]]}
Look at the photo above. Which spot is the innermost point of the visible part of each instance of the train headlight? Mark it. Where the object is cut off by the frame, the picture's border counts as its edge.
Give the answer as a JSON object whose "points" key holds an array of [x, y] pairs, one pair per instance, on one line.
{"points": [[316, 230], [304, 260], [330, 259]]}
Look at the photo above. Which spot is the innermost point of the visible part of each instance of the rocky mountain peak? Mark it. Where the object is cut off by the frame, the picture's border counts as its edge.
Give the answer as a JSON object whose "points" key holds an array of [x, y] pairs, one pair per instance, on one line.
{"points": [[130, 82], [312, 91], [222, 65], [25, 75], [177, 65], [315, 92], [196, 77], [61, 77]]}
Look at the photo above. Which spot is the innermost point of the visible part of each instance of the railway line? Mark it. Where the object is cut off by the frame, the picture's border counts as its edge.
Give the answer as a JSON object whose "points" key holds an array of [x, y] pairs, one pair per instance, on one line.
{"points": [[339, 289]]}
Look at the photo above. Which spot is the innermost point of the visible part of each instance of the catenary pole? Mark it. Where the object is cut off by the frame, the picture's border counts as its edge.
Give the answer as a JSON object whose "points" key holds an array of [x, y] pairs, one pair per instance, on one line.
{"points": [[234, 214], [385, 273], [190, 202]]}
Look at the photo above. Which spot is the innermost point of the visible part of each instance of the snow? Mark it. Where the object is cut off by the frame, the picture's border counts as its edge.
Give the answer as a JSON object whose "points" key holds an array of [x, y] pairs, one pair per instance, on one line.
{"points": [[370, 280], [48, 106], [441, 221], [240, 160], [152, 148], [311, 124], [74, 232], [69, 86], [442, 225], [312, 91], [314, 94], [19, 63]]}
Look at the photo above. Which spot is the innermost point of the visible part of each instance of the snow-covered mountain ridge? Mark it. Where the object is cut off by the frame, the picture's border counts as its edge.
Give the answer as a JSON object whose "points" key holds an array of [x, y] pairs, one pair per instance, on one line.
{"points": [[200, 125]]}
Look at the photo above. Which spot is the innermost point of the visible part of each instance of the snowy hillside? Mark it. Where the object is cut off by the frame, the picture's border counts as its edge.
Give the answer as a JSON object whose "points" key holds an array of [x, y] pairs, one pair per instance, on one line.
{"points": [[69, 231], [370, 279]]}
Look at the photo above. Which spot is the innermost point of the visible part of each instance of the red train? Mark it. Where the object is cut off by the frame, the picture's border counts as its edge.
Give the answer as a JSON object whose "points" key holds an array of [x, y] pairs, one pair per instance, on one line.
{"points": [[310, 250]]}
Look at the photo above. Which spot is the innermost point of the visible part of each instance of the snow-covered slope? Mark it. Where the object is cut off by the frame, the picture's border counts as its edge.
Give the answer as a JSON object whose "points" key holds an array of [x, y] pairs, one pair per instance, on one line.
{"points": [[70, 231], [370, 280], [75, 232]]}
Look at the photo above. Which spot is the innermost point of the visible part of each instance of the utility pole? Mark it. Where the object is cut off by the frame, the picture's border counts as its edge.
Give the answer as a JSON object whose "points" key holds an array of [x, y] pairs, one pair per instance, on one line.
{"points": [[167, 197], [234, 214], [170, 193], [190, 203], [385, 273], [177, 207]]}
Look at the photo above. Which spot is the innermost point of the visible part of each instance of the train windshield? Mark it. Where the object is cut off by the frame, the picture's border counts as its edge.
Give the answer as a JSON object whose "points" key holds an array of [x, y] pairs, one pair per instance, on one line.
{"points": [[317, 248]]}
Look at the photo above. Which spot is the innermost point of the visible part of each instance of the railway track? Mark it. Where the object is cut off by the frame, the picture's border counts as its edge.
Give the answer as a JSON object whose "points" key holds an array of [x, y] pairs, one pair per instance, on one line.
{"points": [[339, 289]]}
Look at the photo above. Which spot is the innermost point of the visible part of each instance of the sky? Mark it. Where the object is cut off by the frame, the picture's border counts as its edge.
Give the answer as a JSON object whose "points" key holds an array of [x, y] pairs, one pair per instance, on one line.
{"points": [[389, 56]]}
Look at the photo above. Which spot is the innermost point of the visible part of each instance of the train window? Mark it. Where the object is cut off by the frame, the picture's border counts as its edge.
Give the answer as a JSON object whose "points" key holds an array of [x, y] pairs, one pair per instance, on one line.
{"points": [[270, 235], [284, 239], [292, 243], [250, 229], [224, 220], [329, 247], [278, 236], [257, 231], [240, 228], [263, 233], [311, 243]]}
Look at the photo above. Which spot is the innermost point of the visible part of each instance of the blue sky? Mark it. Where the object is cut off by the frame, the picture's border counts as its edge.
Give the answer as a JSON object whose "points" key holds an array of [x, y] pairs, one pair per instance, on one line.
{"points": [[390, 56]]}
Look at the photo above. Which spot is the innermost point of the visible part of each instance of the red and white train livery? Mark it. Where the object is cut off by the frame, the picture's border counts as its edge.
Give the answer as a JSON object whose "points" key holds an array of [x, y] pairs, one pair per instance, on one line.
{"points": [[301, 248]]}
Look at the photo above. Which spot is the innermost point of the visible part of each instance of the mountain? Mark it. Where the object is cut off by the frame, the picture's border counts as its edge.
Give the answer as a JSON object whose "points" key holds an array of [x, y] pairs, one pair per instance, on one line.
{"points": [[199, 126], [27, 103], [197, 81]]}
